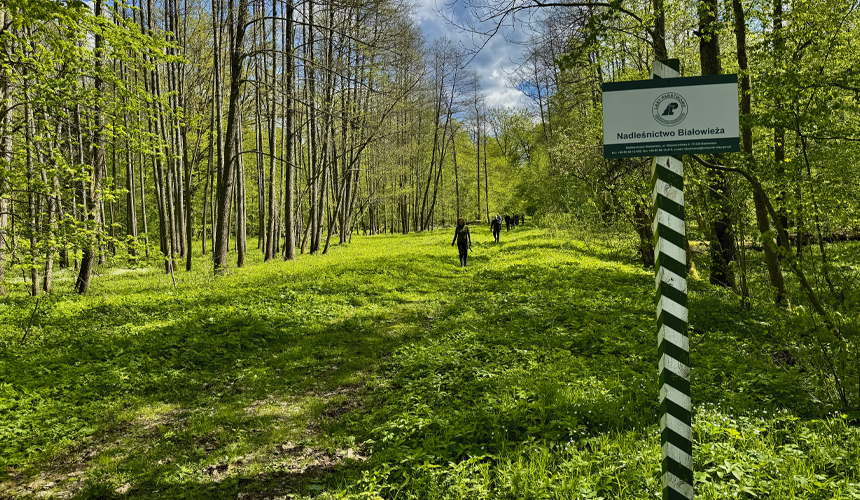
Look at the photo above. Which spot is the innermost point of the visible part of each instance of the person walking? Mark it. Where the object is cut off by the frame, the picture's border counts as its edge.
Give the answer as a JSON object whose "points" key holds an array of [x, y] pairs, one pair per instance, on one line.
{"points": [[463, 240], [516, 220], [507, 222], [496, 226]]}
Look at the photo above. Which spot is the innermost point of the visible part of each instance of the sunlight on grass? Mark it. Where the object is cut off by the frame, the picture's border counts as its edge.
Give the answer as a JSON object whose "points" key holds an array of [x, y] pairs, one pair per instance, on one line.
{"points": [[382, 370]]}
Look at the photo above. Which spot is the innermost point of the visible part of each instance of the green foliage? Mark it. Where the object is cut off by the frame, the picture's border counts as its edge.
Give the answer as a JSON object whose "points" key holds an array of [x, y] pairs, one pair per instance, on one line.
{"points": [[48, 63], [382, 370]]}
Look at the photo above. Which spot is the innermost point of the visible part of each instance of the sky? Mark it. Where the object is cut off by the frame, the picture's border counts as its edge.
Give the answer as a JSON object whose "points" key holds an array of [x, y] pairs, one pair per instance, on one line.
{"points": [[494, 62]]}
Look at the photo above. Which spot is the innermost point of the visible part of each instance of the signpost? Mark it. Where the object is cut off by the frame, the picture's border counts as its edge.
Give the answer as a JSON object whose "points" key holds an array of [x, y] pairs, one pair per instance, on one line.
{"points": [[670, 116]]}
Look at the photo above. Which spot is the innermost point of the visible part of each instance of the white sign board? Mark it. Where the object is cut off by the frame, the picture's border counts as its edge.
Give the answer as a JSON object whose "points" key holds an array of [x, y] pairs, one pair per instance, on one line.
{"points": [[678, 116]]}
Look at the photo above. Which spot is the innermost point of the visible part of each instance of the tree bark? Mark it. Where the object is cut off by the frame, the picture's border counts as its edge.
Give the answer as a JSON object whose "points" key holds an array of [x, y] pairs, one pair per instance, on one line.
{"points": [[289, 212], [260, 76], [225, 176], [82, 285], [722, 248], [272, 237], [762, 221], [32, 221], [779, 130], [241, 197], [659, 33], [6, 141]]}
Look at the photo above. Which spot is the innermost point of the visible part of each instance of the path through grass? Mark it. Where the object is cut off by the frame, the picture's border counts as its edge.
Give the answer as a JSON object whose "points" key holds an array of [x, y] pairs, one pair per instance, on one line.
{"points": [[383, 370]]}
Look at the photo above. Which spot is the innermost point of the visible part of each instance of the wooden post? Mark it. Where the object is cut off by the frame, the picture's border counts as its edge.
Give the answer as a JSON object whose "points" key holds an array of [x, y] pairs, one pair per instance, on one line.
{"points": [[673, 351]]}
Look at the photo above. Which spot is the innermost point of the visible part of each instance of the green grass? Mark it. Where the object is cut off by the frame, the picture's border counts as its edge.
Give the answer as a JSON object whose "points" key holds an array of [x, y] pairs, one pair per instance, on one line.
{"points": [[383, 370]]}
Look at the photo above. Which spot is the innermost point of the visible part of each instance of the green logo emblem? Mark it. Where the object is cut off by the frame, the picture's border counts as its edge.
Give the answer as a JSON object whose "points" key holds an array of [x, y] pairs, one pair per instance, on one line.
{"points": [[669, 109]]}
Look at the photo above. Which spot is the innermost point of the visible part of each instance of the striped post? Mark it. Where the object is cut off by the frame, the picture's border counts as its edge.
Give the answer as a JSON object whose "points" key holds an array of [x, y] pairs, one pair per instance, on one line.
{"points": [[676, 433]]}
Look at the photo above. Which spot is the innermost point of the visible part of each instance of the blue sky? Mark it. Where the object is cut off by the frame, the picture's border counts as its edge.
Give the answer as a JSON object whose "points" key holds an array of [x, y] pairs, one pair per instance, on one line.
{"points": [[493, 63]]}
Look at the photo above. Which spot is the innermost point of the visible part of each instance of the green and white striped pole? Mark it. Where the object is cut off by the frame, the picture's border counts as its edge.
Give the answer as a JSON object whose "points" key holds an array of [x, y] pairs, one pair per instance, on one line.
{"points": [[673, 346]]}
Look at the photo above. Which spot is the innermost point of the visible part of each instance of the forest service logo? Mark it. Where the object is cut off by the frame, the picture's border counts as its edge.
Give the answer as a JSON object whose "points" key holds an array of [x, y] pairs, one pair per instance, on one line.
{"points": [[669, 109]]}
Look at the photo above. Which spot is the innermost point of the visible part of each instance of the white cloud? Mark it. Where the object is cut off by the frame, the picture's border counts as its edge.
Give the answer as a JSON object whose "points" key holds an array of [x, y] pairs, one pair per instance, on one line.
{"points": [[506, 97], [494, 62]]}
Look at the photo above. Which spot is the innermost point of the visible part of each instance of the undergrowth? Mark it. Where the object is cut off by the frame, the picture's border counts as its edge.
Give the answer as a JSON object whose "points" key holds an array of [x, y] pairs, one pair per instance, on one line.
{"points": [[382, 370]]}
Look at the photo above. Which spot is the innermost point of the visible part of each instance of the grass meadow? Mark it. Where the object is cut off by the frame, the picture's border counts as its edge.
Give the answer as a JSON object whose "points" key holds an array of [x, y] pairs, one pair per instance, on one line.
{"points": [[383, 370]]}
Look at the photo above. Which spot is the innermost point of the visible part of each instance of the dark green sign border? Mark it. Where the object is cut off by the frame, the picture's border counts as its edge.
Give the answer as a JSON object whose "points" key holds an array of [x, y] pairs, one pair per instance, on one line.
{"points": [[674, 148], [669, 82]]}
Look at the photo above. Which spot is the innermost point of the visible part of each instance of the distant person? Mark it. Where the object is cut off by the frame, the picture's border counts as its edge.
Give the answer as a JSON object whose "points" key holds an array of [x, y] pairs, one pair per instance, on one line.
{"points": [[496, 226], [523, 218], [463, 240], [507, 222], [516, 220]]}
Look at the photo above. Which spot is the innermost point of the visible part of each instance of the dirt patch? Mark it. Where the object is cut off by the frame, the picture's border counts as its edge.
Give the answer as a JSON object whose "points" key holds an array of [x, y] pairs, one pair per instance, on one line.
{"points": [[68, 472], [337, 409], [340, 401], [45, 485], [207, 442], [297, 458]]}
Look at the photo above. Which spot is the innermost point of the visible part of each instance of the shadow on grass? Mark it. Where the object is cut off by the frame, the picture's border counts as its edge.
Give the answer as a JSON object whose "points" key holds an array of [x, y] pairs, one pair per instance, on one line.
{"points": [[266, 383], [156, 389], [226, 485]]}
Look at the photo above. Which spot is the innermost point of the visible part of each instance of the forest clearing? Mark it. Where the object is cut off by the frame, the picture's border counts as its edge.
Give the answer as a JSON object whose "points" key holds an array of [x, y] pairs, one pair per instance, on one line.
{"points": [[227, 268], [383, 370]]}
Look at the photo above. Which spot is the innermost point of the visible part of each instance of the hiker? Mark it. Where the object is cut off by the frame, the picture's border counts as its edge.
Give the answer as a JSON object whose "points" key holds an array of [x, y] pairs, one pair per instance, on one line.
{"points": [[523, 218], [496, 226], [507, 222], [516, 220], [463, 240]]}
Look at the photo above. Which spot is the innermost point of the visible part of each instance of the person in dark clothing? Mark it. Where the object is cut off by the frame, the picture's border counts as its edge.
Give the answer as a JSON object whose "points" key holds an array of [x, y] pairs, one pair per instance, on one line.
{"points": [[463, 240], [507, 222], [496, 226], [523, 218], [516, 220]]}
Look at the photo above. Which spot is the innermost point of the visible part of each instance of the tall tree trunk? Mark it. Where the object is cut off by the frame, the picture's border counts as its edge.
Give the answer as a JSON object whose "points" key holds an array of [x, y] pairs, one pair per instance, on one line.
{"points": [[143, 209], [82, 285], [112, 203], [722, 246], [762, 221], [327, 149], [208, 188], [79, 188], [659, 32], [289, 212], [779, 130], [54, 202], [130, 207], [142, 158], [225, 176], [478, 153], [315, 161], [180, 164], [217, 72], [32, 221], [437, 117], [6, 156], [152, 85], [486, 180], [258, 147], [272, 237], [183, 144], [241, 200]]}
